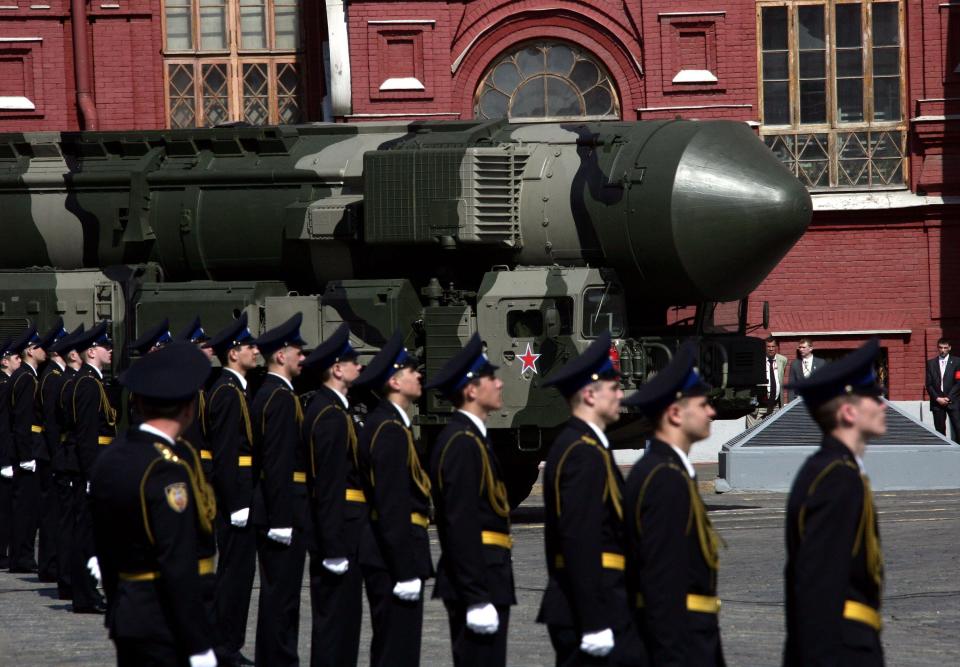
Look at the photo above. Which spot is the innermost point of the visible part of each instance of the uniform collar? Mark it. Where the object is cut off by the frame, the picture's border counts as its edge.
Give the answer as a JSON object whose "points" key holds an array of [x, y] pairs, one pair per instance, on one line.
{"points": [[242, 380], [285, 380], [343, 399], [656, 443], [95, 370], [403, 413], [30, 366], [601, 436], [62, 367], [476, 422], [146, 428]]}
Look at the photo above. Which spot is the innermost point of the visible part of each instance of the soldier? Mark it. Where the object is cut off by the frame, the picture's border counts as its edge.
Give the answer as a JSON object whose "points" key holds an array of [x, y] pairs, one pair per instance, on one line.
{"points": [[338, 506], [672, 549], [585, 603], [64, 464], [394, 548], [6, 457], [149, 511], [152, 339], [227, 420], [281, 511], [834, 573], [475, 572], [92, 427], [31, 474], [195, 433]]}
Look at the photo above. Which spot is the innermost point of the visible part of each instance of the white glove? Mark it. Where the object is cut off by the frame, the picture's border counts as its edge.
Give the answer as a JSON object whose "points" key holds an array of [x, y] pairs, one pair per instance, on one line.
{"points": [[336, 565], [29, 466], [208, 659], [6, 471], [239, 518], [597, 644], [88, 488], [408, 590], [483, 618], [93, 567], [281, 535]]}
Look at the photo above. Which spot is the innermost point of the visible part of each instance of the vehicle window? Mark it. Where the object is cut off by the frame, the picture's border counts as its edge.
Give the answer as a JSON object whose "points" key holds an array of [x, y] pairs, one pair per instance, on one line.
{"points": [[603, 309], [525, 323], [721, 317], [565, 308]]}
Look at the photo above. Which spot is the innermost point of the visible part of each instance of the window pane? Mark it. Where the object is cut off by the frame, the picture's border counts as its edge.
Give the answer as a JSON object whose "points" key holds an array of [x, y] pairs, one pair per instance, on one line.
{"points": [[256, 109], [213, 25], [813, 101], [524, 323], [214, 92], [585, 75], [288, 88], [885, 29], [560, 60], [529, 101], [774, 22], [599, 102], [886, 61], [776, 102], [179, 26], [850, 62], [253, 25], [813, 164], [493, 104], [182, 111], [813, 65], [849, 30], [506, 76], [530, 61], [775, 65], [850, 100], [886, 98], [811, 30], [286, 26], [562, 99]]}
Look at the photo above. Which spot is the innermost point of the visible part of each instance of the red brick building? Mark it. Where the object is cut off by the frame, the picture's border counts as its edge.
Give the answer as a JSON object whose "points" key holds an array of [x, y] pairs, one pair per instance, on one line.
{"points": [[858, 97]]}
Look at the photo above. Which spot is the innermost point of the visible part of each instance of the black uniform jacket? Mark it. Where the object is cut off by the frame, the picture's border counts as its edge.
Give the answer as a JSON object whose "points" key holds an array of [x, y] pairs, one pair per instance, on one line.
{"points": [[26, 420], [472, 517], [583, 534], [280, 498], [338, 507], [833, 555], [51, 382], [147, 517], [398, 492], [206, 542], [6, 437], [671, 553], [92, 418], [230, 434], [196, 434], [64, 457]]}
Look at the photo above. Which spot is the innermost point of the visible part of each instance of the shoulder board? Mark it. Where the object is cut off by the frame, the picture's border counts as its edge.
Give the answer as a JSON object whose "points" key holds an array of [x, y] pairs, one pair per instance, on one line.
{"points": [[590, 441]]}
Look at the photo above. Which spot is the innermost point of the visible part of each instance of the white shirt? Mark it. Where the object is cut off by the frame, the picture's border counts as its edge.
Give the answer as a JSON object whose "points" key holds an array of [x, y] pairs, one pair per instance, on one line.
{"points": [[343, 399], [943, 368], [601, 436], [686, 461], [476, 422], [775, 387], [403, 414], [243, 380], [863, 470], [807, 363], [285, 380], [157, 432]]}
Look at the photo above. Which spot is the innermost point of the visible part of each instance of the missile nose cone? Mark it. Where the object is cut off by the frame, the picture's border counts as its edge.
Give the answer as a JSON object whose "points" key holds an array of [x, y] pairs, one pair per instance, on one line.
{"points": [[735, 210]]}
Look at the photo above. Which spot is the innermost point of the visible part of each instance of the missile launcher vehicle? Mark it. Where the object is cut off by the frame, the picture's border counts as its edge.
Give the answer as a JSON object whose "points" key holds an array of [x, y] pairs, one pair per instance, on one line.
{"points": [[538, 236]]}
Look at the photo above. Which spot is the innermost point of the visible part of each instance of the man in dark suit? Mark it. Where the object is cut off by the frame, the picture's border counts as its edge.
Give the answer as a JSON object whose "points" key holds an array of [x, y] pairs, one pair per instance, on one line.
{"points": [[585, 605], [395, 547], [280, 505], [834, 573], [337, 503], [672, 549], [475, 572], [944, 390], [806, 364]]}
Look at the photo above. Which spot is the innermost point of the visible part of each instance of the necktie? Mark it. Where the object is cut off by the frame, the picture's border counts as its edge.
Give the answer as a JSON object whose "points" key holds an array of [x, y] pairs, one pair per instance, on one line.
{"points": [[806, 368], [772, 392]]}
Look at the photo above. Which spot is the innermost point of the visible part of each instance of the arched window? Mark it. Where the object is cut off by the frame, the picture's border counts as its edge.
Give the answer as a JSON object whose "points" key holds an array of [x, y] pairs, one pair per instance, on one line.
{"points": [[546, 81]]}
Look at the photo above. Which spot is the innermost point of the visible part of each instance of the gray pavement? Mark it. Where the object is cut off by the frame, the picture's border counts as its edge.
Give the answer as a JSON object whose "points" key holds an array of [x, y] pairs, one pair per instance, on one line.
{"points": [[921, 600]]}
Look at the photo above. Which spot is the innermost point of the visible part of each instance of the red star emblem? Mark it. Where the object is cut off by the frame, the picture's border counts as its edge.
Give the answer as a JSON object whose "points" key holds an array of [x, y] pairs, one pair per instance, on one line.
{"points": [[529, 360]]}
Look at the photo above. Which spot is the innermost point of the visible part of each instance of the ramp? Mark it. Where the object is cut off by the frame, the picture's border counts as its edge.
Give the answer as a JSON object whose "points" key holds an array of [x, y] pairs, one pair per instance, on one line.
{"points": [[766, 457]]}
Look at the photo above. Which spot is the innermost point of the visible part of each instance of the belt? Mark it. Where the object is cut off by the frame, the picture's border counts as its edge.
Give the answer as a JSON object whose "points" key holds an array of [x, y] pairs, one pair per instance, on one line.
{"points": [[857, 611], [245, 461], [300, 477], [496, 539], [206, 455], [610, 561], [356, 496], [705, 604], [104, 439], [204, 566], [419, 519], [36, 429]]}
